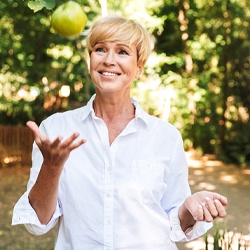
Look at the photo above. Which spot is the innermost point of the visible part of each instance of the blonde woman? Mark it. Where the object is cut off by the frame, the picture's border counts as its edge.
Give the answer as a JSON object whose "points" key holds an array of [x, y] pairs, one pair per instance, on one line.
{"points": [[125, 185]]}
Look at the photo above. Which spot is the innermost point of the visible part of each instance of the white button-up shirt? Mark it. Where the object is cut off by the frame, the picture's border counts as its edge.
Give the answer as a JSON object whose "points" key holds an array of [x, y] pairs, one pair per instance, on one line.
{"points": [[120, 196]]}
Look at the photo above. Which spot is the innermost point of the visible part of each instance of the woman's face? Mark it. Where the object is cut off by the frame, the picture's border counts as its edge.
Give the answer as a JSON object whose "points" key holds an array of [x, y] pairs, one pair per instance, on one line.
{"points": [[113, 66]]}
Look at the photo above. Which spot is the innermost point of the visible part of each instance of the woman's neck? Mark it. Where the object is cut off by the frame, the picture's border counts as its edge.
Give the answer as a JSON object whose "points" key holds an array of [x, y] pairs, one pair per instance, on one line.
{"points": [[111, 108], [115, 112]]}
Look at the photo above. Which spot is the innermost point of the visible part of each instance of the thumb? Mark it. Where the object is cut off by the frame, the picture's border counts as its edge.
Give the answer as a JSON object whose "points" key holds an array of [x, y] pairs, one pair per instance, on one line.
{"points": [[35, 130]]}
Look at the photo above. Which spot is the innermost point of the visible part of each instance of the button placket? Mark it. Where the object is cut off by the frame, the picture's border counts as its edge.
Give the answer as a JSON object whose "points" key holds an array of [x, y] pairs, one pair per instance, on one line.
{"points": [[108, 206], [108, 197], [109, 156]]}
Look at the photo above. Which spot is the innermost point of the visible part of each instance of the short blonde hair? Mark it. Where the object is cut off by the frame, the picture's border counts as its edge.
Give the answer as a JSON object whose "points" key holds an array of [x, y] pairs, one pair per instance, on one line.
{"points": [[114, 28]]}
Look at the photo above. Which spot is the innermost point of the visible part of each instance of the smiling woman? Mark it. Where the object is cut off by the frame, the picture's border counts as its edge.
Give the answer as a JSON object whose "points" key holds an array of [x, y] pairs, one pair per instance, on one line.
{"points": [[125, 186]]}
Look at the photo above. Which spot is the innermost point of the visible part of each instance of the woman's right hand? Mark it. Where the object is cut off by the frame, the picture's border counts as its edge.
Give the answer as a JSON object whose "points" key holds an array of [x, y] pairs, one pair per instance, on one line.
{"points": [[55, 153]]}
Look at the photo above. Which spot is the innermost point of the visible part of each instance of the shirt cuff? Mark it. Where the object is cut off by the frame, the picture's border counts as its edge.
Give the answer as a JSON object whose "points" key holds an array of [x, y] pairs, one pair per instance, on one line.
{"points": [[177, 235], [25, 214]]}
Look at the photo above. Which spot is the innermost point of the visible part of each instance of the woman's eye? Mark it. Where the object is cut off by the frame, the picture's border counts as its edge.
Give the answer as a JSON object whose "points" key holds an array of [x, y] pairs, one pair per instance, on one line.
{"points": [[99, 50], [123, 52]]}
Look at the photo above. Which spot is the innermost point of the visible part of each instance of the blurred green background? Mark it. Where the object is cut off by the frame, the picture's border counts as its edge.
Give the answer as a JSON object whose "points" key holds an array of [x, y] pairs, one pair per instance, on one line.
{"points": [[198, 76]]}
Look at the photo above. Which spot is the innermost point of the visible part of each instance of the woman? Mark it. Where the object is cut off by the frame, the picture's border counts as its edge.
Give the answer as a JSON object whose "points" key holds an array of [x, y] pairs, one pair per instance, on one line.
{"points": [[125, 186]]}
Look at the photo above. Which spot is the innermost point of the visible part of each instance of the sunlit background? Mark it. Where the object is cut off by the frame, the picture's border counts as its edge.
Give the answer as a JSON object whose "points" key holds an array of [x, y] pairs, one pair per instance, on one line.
{"points": [[197, 77]]}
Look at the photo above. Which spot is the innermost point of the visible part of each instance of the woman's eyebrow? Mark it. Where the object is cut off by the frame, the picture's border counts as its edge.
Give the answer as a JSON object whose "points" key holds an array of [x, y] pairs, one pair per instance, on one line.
{"points": [[97, 43], [125, 45], [117, 43]]}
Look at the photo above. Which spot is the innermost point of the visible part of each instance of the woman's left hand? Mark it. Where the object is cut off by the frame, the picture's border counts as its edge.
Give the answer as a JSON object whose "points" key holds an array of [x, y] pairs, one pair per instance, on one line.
{"points": [[206, 206]]}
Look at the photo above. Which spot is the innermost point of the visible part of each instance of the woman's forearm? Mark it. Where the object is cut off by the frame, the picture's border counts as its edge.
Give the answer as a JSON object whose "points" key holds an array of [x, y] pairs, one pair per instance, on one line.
{"points": [[44, 193]]}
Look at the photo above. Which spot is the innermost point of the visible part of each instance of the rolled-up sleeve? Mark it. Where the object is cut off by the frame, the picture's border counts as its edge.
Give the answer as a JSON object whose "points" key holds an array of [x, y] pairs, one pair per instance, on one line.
{"points": [[177, 235], [23, 213]]}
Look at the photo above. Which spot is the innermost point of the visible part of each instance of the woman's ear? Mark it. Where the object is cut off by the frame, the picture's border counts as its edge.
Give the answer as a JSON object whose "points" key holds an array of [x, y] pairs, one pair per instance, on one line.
{"points": [[139, 71]]}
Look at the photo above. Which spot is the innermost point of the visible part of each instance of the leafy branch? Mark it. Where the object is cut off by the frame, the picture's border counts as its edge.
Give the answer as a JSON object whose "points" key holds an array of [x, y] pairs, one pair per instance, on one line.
{"points": [[37, 5]]}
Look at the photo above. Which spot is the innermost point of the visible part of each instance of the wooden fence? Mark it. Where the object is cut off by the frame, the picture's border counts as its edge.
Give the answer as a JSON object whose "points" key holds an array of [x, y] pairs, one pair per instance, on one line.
{"points": [[15, 145]]}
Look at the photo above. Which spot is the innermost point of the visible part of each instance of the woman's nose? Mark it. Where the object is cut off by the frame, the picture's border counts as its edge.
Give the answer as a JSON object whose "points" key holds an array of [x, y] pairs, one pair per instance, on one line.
{"points": [[109, 58]]}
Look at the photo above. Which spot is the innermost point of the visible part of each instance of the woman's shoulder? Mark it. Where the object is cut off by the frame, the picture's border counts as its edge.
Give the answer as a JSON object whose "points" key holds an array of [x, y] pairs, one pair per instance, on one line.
{"points": [[69, 115], [160, 123]]}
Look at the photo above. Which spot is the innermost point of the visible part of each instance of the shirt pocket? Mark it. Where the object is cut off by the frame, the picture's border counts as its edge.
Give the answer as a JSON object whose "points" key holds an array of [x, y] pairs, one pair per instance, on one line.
{"points": [[147, 181]]}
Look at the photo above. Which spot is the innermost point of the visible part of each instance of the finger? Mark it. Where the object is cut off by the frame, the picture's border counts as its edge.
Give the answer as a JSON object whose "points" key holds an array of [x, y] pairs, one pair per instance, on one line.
{"points": [[211, 207], [220, 198], [199, 216], [69, 142], [38, 137], [207, 216], [77, 144], [56, 142], [34, 128], [220, 208]]}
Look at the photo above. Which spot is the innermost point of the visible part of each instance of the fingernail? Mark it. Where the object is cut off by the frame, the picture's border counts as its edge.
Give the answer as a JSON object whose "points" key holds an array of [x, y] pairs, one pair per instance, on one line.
{"points": [[207, 198], [203, 204], [216, 201]]}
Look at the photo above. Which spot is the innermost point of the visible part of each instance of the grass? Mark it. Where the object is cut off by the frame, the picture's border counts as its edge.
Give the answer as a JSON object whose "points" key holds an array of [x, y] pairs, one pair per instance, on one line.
{"points": [[12, 185], [224, 239]]}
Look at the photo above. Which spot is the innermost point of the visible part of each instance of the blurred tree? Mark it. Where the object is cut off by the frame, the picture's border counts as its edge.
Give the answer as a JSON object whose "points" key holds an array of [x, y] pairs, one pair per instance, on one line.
{"points": [[197, 77], [36, 63], [207, 43]]}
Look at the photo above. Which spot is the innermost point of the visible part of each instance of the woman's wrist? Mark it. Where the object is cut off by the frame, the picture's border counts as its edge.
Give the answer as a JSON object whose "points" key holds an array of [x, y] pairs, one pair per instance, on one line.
{"points": [[186, 219]]}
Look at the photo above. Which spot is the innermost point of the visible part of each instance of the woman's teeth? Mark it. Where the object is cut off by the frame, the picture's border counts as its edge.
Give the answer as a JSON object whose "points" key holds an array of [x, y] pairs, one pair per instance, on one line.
{"points": [[109, 74]]}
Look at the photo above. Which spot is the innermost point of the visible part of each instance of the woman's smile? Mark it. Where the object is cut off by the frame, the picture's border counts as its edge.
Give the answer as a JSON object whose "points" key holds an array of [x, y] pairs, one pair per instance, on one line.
{"points": [[107, 73]]}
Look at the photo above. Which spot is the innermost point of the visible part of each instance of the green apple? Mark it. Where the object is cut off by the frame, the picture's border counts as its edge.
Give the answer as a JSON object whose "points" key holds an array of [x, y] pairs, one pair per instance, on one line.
{"points": [[69, 19]]}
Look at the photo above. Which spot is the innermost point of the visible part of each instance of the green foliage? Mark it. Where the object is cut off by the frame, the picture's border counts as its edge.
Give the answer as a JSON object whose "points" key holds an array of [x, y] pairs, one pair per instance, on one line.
{"points": [[213, 97], [36, 63], [197, 78], [223, 239], [37, 5]]}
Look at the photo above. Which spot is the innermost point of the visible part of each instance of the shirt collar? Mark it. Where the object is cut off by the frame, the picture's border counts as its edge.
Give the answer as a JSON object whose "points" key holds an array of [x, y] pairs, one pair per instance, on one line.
{"points": [[88, 109], [140, 114]]}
